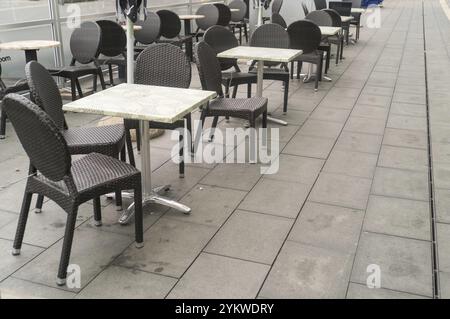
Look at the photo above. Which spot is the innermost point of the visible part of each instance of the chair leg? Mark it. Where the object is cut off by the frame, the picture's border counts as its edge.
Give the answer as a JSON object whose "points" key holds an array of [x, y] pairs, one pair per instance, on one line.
{"points": [[286, 95], [23, 217], [67, 247], [3, 125], [342, 49], [240, 35], [111, 75], [245, 32], [249, 90], [94, 83], [264, 120], [138, 217], [138, 139], [80, 92], [118, 196], [318, 72], [213, 128], [338, 52], [199, 132], [123, 154], [102, 79], [327, 64], [181, 154], [39, 204], [235, 89], [227, 90], [73, 89], [130, 147], [299, 69], [189, 130], [292, 70], [97, 212]]}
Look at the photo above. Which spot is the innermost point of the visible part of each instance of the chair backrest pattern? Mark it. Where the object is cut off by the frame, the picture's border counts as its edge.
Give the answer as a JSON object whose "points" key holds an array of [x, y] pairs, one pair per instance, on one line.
{"points": [[304, 35], [85, 42], [163, 64], [151, 29], [208, 68], [39, 136], [114, 39], [321, 18], [220, 39], [211, 16], [45, 92], [170, 24]]}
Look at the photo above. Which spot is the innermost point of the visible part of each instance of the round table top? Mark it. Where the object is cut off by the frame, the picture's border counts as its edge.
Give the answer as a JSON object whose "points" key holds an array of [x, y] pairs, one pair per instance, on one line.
{"points": [[191, 16], [28, 45]]}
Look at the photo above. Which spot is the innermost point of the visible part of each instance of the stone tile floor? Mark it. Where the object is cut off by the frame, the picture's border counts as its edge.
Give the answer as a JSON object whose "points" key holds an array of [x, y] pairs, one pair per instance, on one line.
{"points": [[353, 191]]}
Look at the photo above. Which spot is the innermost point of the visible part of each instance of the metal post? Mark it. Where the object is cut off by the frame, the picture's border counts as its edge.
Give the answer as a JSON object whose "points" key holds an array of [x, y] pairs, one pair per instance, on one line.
{"points": [[56, 32]]}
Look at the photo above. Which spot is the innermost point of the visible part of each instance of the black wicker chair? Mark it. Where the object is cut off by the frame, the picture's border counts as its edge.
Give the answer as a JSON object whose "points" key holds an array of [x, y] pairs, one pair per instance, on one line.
{"points": [[306, 36], [106, 140], [344, 8], [224, 14], [85, 46], [322, 19], [211, 17], [338, 39], [112, 47], [211, 78], [69, 184], [150, 31], [357, 17], [276, 8], [20, 86], [161, 64], [278, 19], [238, 20], [170, 32], [320, 4], [273, 36], [221, 39]]}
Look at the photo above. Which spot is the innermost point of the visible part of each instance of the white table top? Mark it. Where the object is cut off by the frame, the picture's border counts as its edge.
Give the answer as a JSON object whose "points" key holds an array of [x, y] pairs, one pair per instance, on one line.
{"points": [[261, 54], [328, 31], [234, 10], [358, 10], [346, 18], [28, 45], [142, 102], [135, 27], [191, 16]]}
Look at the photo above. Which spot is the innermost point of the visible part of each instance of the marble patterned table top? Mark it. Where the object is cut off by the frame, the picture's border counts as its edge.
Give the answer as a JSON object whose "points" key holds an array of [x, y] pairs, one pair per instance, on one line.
{"points": [[142, 102], [261, 54], [328, 31], [28, 45], [358, 10], [346, 18], [191, 16]]}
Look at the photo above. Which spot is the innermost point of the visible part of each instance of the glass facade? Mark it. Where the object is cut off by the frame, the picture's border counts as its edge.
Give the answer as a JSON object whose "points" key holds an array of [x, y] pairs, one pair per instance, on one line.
{"points": [[54, 20]]}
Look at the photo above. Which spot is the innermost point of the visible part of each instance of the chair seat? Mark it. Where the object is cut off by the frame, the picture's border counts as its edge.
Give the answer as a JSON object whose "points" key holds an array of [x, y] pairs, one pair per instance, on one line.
{"points": [[107, 140], [117, 60], [96, 171], [312, 57], [21, 86], [255, 105], [77, 70], [236, 78]]}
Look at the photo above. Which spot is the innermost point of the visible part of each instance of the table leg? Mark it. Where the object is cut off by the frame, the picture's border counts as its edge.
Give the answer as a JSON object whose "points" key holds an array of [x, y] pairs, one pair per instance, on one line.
{"points": [[30, 55], [150, 195], [259, 90], [187, 27]]}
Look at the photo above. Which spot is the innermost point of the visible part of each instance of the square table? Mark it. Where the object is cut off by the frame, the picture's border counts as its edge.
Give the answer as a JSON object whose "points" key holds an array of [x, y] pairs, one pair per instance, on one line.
{"points": [[144, 103], [345, 19], [261, 55], [329, 31]]}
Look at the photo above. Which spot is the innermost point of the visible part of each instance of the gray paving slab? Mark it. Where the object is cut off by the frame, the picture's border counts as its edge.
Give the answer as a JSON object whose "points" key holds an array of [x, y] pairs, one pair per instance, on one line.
{"points": [[309, 146], [341, 190], [170, 247], [304, 271], [405, 138], [400, 183], [359, 142], [298, 169], [123, 283], [330, 227], [251, 236], [365, 125], [211, 205], [403, 158], [13, 288], [404, 264], [358, 291], [351, 163], [399, 217], [212, 276], [276, 197]]}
